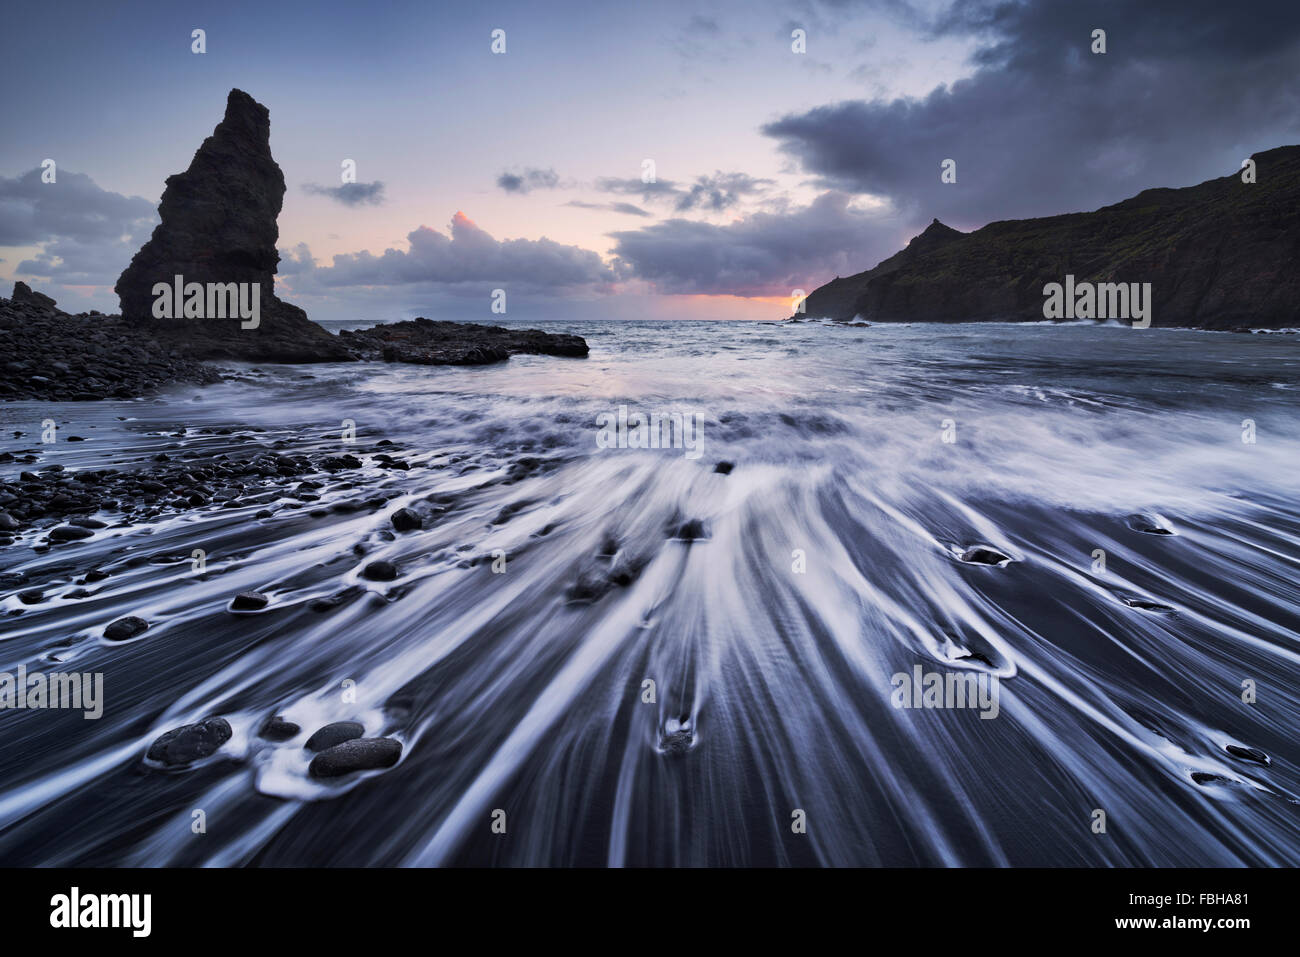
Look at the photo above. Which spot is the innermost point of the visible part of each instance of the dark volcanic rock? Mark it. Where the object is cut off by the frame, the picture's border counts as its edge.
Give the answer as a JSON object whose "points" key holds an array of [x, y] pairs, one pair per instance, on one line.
{"points": [[219, 226], [69, 533], [428, 342], [125, 628], [249, 601], [1220, 255], [406, 520], [1254, 755], [276, 728], [60, 500], [334, 734], [380, 571], [359, 754], [983, 555], [676, 743], [190, 742], [23, 295], [49, 354]]}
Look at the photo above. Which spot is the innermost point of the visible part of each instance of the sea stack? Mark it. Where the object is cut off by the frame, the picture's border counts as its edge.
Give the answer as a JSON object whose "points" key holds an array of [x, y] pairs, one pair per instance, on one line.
{"points": [[219, 228]]}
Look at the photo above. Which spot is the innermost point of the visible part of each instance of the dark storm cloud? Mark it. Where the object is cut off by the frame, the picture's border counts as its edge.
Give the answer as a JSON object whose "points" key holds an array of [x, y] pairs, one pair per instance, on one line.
{"points": [[86, 234], [763, 254], [1186, 89], [72, 207], [350, 194], [528, 180]]}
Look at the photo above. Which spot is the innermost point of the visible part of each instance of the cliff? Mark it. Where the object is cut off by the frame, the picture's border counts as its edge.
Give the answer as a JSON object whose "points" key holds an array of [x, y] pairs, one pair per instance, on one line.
{"points": [[1221, 255]]}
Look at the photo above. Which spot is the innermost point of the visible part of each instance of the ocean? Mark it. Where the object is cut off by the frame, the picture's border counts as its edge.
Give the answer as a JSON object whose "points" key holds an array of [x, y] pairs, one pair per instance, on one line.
{"points": [[740, 648]]}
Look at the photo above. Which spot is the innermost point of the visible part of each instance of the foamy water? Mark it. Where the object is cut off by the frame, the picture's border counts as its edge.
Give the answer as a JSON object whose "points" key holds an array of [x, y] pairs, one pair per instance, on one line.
{"points": [[771, 607]]}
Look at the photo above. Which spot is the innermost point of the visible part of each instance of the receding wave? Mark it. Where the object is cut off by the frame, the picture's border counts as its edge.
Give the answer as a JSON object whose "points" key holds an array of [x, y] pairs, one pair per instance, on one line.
{"points": [[1092, 534]]}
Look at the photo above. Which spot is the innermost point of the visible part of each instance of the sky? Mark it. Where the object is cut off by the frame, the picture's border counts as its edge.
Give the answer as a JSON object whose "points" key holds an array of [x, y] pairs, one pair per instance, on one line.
{"points": [[790, 142]]}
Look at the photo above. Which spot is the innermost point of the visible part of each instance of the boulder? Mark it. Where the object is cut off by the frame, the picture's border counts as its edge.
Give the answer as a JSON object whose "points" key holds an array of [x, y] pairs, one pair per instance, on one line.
{"points": [[23, 295]]}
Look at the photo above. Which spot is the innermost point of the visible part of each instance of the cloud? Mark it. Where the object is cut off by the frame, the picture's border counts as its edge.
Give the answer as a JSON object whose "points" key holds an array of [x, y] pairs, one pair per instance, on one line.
{"points": [[528, 180], [702, 24], [32, 212], [1186, 89], [86, 235], [649, 192], [762, 254], [466, 258], [627, 208], [350, 194], [713, 193]]}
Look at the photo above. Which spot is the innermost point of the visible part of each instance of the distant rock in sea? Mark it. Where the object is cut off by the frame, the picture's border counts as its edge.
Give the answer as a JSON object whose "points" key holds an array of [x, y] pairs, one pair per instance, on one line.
{"points": [[427, 342], [219, 226], [1221, 255]]}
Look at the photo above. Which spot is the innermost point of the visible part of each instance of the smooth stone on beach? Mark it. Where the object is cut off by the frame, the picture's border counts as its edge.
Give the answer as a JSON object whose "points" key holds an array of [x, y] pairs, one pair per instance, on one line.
{"points": [[677, 743], [1254, 755], [982, 555], [276, 728], [380, 571], [406, 520], [334, 734], [359, 754], [69, 533], [125, 628], [190, 742], [249, 601]]}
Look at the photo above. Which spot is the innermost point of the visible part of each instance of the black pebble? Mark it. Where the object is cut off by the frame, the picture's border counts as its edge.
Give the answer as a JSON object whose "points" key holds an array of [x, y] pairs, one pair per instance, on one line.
{"points": [[359, 754], [334, 734], [125, 628]]}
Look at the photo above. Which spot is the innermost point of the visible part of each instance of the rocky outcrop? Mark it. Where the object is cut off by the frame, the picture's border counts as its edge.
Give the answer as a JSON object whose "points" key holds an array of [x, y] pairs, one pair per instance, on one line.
{"points": [[427, 342], [1221, 255], [23, 296], [218, 230], [219, 226], [48, 354]]}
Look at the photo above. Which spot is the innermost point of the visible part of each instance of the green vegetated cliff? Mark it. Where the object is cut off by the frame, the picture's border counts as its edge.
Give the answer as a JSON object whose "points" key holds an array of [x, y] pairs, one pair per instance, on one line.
{"points": [[1221, 255]]}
